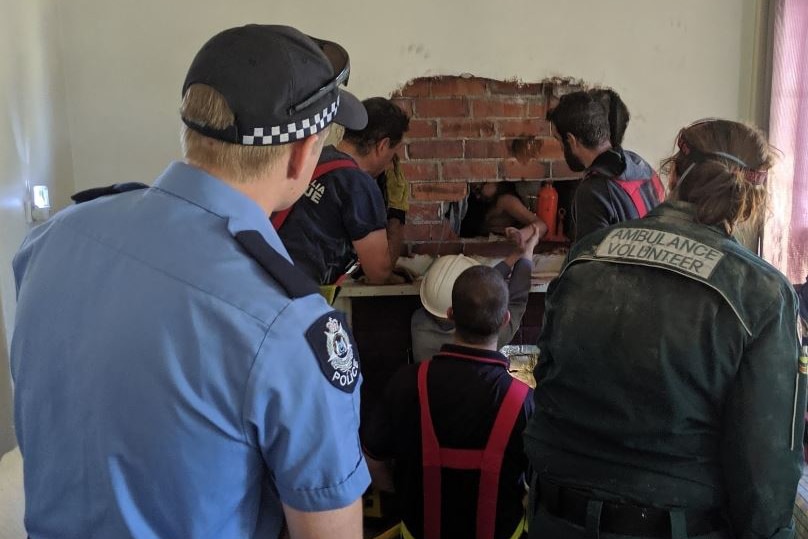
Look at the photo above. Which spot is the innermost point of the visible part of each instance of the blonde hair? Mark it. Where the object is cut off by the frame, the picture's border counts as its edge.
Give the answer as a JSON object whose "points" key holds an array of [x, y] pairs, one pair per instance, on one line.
{"points": [[721, 167], [335, 135], [205, 106]]}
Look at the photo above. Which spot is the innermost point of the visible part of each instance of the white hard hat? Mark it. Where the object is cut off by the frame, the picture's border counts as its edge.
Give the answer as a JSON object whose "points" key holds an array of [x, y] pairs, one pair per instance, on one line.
{"points": [[436, 288]]}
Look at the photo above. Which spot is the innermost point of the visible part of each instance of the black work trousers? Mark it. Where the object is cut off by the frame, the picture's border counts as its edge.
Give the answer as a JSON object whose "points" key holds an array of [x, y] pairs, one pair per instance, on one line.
{"points": [[547, 526]]}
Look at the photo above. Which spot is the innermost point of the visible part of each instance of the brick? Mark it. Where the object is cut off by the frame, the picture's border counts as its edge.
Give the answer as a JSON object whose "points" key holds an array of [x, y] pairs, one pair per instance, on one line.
{"points": [[435, 149], [470, 169], [442, 232], [513, 169], [466, 128], [523, 128], [416, 232], [525, 148], [559, 169], [422, 129], [537, 108], [437, 248], [424, 213], [491, 249], [404, 104], [551, 149], [512, 87], [499, 108], [458, 86], [441, 108], [487, 149], [415, 88], [419, 171], [439, 191]]}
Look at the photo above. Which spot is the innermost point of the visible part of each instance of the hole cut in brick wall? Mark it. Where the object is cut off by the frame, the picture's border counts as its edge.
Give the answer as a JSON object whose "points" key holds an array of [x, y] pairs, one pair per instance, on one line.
{"points": [[466, 129]]}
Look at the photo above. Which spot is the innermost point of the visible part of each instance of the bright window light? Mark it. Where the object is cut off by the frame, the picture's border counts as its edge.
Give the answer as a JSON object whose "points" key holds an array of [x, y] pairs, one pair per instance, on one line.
{"points": [[41, 199]]}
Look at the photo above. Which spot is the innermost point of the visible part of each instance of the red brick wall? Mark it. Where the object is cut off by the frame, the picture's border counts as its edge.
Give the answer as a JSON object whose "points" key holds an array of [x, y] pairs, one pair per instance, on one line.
{"points": [[469, 129]]}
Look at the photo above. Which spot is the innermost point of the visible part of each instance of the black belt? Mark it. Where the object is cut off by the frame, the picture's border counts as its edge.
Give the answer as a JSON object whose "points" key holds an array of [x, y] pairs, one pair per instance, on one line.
{"points": [[623, 519]]}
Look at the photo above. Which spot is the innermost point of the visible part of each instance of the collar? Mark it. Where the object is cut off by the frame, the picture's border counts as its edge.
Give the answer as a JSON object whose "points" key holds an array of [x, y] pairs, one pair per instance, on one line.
{"points": [[678, 210], [467, 353], [610, 163], [197, 187], [331, 153]]}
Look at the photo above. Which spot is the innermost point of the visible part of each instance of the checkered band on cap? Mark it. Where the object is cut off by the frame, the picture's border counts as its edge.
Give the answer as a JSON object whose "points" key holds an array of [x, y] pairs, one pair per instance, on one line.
{"points": [[298, 130]]}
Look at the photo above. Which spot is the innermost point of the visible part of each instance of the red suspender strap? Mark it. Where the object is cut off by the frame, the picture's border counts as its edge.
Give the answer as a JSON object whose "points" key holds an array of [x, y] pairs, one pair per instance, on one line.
{"points": [[279, 217], [493, 456], [329, 166], [488, 461], [431, 460], [634, 191]]}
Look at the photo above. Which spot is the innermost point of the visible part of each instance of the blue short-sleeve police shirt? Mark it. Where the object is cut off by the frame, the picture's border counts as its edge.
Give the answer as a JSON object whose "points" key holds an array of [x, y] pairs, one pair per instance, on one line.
{"points": [[167, 385]]}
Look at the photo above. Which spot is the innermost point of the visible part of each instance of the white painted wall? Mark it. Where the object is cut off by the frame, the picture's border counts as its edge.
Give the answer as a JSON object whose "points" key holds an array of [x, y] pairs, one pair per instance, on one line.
{"points": [[673, 62], [34, 146]]}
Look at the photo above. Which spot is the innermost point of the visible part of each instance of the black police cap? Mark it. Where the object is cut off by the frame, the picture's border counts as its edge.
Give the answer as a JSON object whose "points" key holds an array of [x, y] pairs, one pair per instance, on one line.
{"points": [[281, 84]]}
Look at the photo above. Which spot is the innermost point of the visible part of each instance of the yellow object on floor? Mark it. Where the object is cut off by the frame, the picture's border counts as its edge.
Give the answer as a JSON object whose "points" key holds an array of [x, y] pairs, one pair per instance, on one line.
{"points": [[392, 533]]}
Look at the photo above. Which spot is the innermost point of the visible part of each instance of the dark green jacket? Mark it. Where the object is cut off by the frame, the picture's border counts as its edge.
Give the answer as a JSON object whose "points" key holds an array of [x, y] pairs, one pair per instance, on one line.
{"points": [[668, 373]]}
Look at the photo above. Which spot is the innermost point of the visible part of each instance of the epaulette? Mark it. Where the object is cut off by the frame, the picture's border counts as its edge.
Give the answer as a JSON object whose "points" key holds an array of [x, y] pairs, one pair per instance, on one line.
{"points": [[95, 192], [296, 283]]}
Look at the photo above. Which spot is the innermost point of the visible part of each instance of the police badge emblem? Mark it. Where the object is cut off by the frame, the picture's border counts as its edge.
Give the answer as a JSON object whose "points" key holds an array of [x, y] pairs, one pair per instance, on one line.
{"points": [[335, 350]]}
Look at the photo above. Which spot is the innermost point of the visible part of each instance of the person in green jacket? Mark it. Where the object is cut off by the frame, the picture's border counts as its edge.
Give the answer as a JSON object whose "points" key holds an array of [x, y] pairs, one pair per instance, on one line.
{"points": [[669, 398]]}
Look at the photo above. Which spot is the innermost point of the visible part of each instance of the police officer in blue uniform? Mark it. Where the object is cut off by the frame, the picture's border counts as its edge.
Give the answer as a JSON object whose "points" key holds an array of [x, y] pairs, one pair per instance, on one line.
{"points": [[175, 374], [669, 399]]}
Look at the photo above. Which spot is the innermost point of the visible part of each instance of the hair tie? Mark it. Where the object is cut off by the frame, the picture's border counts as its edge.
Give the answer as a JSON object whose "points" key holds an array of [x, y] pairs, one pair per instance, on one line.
{"points": [[756, 177], [685, 173], [753, 176], [730, 157], [683, 147]]}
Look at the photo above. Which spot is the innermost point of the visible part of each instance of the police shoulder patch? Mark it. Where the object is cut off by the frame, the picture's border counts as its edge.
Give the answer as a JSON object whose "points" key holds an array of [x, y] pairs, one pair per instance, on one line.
{"points": [[335, 349]]}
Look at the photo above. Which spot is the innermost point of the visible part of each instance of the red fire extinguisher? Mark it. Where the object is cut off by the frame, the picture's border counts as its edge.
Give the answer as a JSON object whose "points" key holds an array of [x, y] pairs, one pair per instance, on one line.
{"points": [[547, 207]]}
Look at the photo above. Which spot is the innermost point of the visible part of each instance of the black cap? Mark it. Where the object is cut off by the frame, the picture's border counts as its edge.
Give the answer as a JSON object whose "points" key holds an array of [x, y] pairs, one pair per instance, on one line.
{"points": [[281, 84]]}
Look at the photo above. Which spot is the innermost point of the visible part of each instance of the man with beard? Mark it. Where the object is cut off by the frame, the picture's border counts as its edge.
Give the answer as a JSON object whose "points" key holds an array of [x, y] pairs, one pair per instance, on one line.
{"points": [[617, 185]]}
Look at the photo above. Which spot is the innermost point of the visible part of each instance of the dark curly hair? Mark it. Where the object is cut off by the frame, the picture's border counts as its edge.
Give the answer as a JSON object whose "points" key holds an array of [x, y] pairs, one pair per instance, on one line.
{"points": [[385, 120], [583, 116], [616, 110]]}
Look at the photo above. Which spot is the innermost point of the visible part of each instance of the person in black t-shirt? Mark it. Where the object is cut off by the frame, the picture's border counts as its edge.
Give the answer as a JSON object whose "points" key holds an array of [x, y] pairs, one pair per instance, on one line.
{"points": [[342, 216]]}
